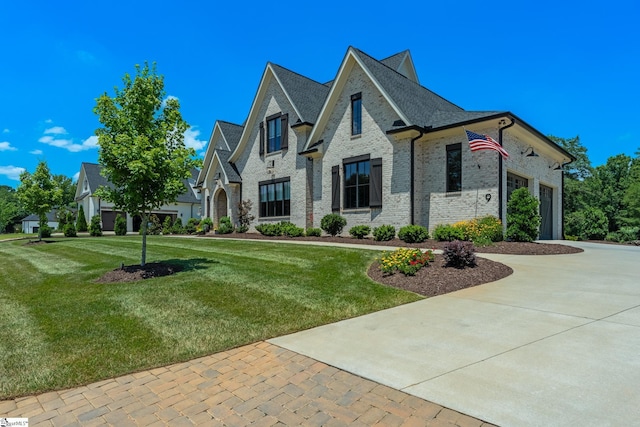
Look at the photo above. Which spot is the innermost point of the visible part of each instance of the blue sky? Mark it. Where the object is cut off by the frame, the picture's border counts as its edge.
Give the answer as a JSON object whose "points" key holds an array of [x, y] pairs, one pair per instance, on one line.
{"points": [[567, 68]]}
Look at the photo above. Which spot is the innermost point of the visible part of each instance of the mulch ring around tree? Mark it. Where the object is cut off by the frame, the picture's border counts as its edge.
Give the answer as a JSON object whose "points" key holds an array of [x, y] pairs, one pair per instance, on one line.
{"points": [[437, 279], [132, 273]]}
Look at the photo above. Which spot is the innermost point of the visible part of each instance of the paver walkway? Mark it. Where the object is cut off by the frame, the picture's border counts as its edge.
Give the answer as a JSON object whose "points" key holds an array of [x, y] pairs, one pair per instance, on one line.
{"points": [[258, 384]]}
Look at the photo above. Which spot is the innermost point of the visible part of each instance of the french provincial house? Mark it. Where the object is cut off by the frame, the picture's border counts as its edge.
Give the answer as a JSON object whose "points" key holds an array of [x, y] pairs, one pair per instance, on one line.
{"points": [[187, 206], [376, 147]]}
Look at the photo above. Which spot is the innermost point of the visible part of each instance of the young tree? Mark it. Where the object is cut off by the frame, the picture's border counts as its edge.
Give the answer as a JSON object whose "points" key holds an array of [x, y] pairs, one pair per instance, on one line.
{"points": [[142, 147], [81, 221], [38, 192], [523, 219]]}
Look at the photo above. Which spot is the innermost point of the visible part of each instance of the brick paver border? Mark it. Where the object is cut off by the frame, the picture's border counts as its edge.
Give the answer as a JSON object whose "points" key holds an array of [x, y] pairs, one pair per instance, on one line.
{"points": [[258, 384]]}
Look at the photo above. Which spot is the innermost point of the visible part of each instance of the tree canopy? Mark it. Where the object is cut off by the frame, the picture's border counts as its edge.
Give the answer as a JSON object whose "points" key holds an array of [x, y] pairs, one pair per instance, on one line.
{"points": [[38, 193], [10, 210], [141, 146]]}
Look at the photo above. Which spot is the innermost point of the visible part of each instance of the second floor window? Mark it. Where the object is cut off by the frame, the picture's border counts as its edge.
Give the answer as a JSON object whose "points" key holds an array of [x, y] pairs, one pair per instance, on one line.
{"points": [[356, 114], [454, 168], [274, 133]]}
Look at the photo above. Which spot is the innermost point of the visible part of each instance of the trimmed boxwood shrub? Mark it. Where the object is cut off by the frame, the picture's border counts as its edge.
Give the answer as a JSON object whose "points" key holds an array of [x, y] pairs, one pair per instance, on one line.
{"points": [[291, 230], [225, 226], [384, 233], [95, 228], [207, 224], [360, 231], [333, 224], [523, 218], [191, 226], [459, 254], [313, 232], [269, 229], [413, 234], [447, 233], [70, 230], [120, 226]]}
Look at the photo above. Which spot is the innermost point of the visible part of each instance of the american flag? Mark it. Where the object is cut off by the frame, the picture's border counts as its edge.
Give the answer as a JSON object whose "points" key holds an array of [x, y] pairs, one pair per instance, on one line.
{"points": [[485, 142]]}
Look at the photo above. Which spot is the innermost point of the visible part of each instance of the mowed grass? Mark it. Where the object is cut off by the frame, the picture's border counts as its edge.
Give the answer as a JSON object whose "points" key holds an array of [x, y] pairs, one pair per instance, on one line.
{"points": [[10, 236], [59, 328]]}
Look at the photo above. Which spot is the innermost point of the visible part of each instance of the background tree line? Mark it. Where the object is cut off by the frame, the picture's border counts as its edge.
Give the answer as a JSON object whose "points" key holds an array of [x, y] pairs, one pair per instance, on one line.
{"points": [[604, 201]]}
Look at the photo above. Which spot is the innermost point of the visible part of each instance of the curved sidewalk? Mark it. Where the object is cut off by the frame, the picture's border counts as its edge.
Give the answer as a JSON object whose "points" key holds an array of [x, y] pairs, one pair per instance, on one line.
{"points": [[556, 343]]}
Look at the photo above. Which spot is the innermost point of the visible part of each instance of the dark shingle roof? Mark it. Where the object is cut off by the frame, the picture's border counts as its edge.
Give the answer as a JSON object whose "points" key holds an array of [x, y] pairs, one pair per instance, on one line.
{"points": [[232, 133], [394, 61], [51, 217], [446, 118], [229, 168], [307, 95], [416, 102], [189, 196]]}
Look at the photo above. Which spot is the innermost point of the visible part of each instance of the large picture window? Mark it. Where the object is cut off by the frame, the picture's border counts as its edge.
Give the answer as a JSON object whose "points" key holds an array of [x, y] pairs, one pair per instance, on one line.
{"points": [[275, 198], [356, 184], [356, 114], [454, 168]]}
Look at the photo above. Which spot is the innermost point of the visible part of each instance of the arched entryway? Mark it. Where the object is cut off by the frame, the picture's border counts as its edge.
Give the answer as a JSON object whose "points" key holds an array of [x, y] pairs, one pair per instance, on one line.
{"points": [[220, 206]]}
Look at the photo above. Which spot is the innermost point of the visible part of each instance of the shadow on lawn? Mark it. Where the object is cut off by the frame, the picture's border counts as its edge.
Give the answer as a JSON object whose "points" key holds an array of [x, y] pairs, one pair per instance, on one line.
{"points": [[190, 264], [132, 273]]}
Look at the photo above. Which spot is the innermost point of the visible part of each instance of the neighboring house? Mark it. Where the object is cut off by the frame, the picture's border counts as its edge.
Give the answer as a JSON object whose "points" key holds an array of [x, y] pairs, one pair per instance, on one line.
{"points": [[188, 204], [31, 224], [376, 147]]}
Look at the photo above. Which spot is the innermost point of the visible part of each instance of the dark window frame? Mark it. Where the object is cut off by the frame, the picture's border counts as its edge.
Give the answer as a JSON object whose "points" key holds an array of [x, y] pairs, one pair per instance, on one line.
{"points": [[356, 193], [454, 168], [274, 198], [356, 114], [273, 143]]}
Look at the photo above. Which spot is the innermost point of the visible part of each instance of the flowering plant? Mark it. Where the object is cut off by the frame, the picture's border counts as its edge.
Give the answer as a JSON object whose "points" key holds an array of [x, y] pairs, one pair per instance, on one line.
{"points": [[405, 260]]}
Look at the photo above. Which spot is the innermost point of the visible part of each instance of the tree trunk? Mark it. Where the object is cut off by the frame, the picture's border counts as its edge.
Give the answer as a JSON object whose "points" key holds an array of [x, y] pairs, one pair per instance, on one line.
{"points": [[145, 220]]}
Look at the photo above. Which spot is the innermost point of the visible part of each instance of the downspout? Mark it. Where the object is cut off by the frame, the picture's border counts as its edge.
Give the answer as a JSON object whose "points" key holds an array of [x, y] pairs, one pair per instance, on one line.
{"points": [[412, 178], [500, 161]]}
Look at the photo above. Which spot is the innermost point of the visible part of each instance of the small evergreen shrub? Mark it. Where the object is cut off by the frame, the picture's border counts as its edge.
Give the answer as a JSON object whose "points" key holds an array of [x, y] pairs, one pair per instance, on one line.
{"points": [[291, 230], [70, 230], [360, 231], [242, 229], [154, 227], [313, 232], [45, 231], [625, 234], [177, 228], [225, 226], [269, 229], [447, 233], [405, 260], [333, 224], [95, 228], [523, 218], [191, 226], [384, 233], [166, 226], [81, 221], [207, 224], [587, 224], [413, 234], [459, 254], [120, 226]]}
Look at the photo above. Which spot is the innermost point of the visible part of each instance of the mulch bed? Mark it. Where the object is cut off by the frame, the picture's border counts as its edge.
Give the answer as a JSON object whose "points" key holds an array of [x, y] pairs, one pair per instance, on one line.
{"points": [[437, 279], [131, 273], [511, 248]]}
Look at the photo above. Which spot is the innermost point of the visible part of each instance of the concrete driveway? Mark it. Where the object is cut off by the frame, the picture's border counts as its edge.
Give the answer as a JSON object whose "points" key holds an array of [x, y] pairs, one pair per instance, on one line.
{"points": [[556, 343]]}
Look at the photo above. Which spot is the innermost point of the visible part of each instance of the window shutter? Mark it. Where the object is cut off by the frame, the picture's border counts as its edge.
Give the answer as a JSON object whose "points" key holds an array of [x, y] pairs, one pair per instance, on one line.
{"points": [[261, 138], [375, 183], [335, 188], [284, 130]]}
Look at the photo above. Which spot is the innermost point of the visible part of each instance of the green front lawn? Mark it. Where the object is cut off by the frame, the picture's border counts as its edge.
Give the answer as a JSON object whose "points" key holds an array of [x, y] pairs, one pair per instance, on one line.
{"points": [[58, 328], [10, 236]]}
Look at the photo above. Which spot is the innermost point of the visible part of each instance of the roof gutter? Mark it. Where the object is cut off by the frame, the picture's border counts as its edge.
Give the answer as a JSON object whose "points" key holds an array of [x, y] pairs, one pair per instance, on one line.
{"points": [[500, 162]]}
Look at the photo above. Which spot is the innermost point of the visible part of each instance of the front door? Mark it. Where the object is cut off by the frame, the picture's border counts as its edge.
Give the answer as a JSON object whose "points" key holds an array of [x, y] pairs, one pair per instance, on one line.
{"points": [[546, 212], [220, 206]]}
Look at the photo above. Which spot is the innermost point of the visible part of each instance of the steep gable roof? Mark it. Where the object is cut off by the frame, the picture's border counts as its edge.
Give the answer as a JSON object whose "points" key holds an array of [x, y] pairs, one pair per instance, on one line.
{"points": [[403, 64], [94, 179], [229, 135], [305, 94], [231, 132]]}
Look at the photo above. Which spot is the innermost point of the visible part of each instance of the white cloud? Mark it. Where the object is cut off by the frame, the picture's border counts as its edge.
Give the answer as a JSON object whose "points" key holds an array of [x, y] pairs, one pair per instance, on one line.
{"points": [[6, 146], [36, 152], [76, 176], [56, 130], [68, 144], [11, 172], [5, 130], [48, 121], [191, 139]]}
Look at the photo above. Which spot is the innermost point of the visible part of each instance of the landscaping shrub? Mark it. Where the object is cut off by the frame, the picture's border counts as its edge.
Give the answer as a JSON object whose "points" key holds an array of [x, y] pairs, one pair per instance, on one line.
{"points": [[95, 228], [269, 229], [177, 228], [333, 224], [384, 233], [166, 226], [45, 231], [360, 231], [587, 224], [625, 234], [315, 232], [447, 233], [120, 226], [70, 230], [291, 230], [225, 226], [81, 221], [481, 231], [244, 215], [405, 260], [207, 224], [523, 219], [191, 226], [154, 227], [413, 234], [459, 254]]}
